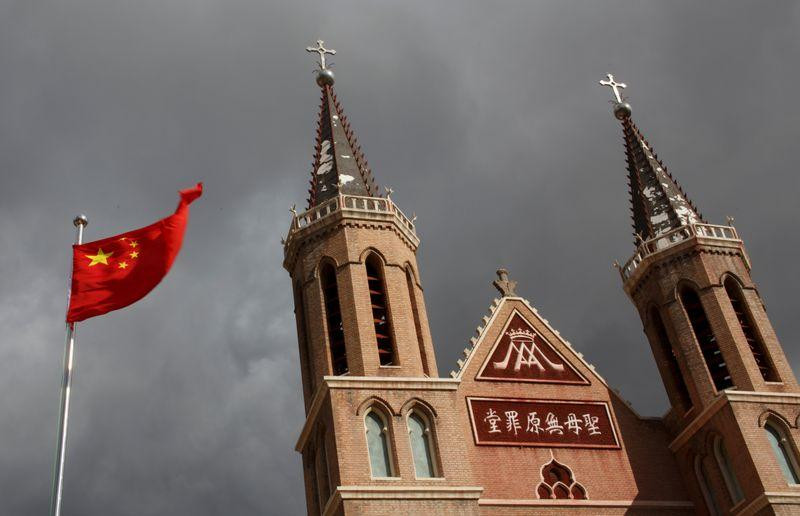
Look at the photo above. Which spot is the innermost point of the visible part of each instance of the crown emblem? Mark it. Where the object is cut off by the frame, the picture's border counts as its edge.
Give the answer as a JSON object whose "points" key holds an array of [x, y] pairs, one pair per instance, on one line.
{"points": [[520, 334]]}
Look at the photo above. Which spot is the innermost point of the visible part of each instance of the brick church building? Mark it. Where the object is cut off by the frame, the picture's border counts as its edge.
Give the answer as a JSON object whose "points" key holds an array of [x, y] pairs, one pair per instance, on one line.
{"points": [[525, 425]]}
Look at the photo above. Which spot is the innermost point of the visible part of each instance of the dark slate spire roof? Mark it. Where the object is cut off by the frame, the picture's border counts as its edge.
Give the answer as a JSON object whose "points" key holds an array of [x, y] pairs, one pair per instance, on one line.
{"points": [[339, 164], [658, 203]]}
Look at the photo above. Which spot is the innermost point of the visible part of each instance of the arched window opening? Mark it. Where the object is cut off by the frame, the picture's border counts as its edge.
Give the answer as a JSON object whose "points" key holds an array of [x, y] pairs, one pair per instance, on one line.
{"points": [[668, 352], [412, 292], [705, 488], [757, 347], [305, 351], [784, 453], [422, 449], [333, 312], [731, 482], [709, 346], [558, 483], [311, 467], [380, 310], [322, 470], [378, 445]]}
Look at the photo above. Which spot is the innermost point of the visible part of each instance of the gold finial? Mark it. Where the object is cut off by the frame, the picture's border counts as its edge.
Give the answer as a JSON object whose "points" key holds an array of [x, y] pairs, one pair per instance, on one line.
{"points": [[615, 86], [321, 50]]}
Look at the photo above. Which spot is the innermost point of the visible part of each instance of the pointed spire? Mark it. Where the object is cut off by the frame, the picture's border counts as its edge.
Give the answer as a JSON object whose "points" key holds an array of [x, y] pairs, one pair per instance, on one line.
{"points": [[339, 165], [658, 203]]}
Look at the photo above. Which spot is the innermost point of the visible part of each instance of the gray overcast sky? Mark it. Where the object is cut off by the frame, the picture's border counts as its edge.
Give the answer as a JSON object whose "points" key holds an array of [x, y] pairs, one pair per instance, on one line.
{"points": [[485, 117]]}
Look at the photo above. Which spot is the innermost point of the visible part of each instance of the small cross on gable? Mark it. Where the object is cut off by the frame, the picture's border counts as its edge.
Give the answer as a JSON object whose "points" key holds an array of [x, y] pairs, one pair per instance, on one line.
{"points": [[503, 284]]}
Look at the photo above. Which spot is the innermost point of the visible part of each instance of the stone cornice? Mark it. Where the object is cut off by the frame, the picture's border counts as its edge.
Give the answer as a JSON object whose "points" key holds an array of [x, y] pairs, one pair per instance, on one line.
{"points": [[770, 498], [723, 398], [392, 383], [366, 382], [585, 503], [344, 219]]}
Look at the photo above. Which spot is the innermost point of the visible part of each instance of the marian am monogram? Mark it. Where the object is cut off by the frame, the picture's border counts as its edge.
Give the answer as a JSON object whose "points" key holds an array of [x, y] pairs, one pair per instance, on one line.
{"points": [[523, 346], [522, 354]]}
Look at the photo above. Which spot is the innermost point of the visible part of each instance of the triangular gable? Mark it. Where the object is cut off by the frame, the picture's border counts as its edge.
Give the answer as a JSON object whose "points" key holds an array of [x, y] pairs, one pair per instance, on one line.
{"points": [[522, 354]]}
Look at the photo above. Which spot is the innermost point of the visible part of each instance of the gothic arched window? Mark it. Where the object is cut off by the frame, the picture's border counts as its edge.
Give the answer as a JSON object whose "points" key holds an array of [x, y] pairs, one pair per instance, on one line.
{"points": [[705, 488], [754, 341], [709, 346], [323, 474], [333, 313], [378, 445], [415, 308], [380, 309], [784, 453], [305, 351], [731, 482], [668, 352], [422, 450]]}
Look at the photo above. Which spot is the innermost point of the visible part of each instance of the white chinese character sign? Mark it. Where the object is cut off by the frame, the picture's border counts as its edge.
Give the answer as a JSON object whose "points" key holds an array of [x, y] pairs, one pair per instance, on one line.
{"points": [[518, 422], [521, 354]]}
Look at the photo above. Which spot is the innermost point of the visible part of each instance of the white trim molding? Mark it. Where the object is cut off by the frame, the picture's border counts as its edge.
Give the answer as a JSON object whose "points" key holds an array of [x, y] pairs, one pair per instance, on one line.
{"points": [[635, 504], [400, 493], [391, 383]]}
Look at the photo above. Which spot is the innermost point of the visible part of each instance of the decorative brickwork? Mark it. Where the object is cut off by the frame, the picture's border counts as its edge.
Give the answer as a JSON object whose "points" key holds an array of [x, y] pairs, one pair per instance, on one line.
{"points": [[525, 425]]}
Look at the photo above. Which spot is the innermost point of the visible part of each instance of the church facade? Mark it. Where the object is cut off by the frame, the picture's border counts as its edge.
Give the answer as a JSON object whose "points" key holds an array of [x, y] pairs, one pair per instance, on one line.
{"points": [[525, 425]]}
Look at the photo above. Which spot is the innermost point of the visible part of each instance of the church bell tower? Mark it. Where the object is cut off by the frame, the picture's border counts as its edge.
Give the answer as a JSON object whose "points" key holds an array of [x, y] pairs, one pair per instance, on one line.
{"points": [[735, 402], [358, 299]]}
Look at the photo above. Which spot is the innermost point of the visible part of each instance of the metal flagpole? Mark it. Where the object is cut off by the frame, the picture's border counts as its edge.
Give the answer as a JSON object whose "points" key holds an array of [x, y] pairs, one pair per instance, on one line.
{"points": [[80, 222]]}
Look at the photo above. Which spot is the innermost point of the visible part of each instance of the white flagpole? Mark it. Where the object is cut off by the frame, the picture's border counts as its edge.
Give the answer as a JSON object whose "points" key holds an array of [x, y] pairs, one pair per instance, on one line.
{"points": [[80, 222]]}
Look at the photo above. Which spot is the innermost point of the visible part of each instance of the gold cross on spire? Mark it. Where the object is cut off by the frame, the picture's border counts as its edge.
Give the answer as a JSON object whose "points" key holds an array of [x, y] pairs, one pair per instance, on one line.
{"points": [[615, 86], [321, 50]]}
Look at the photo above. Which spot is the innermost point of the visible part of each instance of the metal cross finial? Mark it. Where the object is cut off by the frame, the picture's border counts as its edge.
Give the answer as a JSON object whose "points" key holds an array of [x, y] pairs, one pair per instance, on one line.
{"points": [[293, 210], [503, 284], [321, 50], [615, 86]]}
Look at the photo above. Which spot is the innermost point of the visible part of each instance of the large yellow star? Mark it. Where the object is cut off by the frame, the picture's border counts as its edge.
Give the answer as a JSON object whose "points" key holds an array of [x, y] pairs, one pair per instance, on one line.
{"points": [[100, 257]]}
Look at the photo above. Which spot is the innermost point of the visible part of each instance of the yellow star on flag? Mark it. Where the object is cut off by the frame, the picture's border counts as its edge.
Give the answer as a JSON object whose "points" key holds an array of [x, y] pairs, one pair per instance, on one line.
{"points": [[100, 257], [123, 265], [134, 254], [133, 243]]}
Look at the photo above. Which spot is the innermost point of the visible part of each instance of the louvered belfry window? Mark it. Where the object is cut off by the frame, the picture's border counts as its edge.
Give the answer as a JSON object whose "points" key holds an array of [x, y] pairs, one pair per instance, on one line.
{"points": [[748, 328], [380, 311], [706, 339], [333, 313], [671, 360]]}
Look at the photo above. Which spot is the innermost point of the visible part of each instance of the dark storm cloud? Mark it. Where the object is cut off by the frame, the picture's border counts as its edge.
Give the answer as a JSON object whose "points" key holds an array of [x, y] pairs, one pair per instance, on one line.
{"points": [[485, 118]]}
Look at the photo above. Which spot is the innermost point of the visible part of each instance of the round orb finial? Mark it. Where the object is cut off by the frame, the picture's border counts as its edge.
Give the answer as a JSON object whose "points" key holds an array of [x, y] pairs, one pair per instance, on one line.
{"points": [[325, 77], [81, 220], [622, 110]]}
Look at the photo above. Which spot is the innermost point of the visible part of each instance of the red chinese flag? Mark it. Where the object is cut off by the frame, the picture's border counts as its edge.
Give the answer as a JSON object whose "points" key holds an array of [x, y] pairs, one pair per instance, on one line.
{"points": [[115, 272]]}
